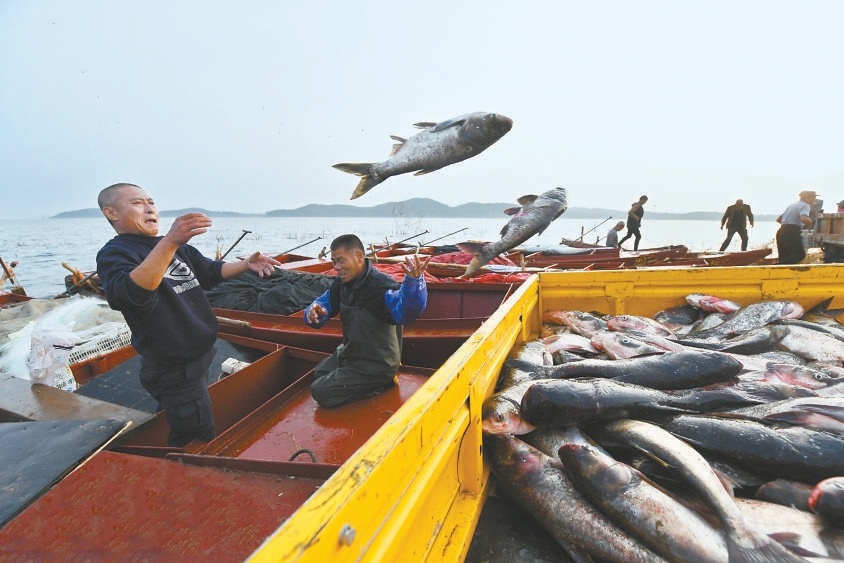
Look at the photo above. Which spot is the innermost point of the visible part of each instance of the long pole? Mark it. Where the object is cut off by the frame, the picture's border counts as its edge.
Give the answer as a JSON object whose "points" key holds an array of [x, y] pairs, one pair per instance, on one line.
{"points": [[595, 227], [301, 245], [373, 251], [245, 232], [442, 237]]}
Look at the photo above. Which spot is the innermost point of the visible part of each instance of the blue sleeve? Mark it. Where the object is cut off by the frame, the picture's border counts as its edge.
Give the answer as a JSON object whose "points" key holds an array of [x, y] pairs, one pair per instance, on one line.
{"points": [[408, 301], [325, 301]]}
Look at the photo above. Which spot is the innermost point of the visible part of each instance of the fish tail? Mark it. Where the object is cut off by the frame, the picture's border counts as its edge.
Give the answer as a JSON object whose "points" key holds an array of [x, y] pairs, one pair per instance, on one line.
{"points": [[821, 308], [763, 549], [369, 179], [471, 247], [481, 256]]}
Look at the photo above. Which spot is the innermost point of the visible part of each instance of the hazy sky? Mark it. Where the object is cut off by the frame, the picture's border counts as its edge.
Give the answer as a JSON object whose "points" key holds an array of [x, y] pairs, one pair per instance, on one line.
{"points": [[245, 105]]}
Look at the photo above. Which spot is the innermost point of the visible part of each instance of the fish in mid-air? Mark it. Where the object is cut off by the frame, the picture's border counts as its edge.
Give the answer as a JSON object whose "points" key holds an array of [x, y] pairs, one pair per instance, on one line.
{"points": [[437, 146], [533, 217]]}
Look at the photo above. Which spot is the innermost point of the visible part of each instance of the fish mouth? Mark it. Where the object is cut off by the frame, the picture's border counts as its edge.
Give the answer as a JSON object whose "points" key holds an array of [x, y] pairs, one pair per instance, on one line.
{"points": [[500, 123]]}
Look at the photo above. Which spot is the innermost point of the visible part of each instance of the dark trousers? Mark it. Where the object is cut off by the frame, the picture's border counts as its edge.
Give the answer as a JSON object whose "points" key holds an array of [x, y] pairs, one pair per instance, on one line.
{"points": [[181, 389], [336, 385], [632, 232], [790, 244], [742, 233]]}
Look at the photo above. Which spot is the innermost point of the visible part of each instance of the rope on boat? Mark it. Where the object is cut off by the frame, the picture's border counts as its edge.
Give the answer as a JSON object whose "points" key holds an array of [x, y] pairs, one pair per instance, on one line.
{"points": [[303, 451]]}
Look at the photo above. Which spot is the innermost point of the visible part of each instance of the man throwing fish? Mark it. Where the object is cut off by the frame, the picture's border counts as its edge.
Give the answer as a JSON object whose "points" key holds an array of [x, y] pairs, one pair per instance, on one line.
{"points": [[374, 307], [158, 283]]}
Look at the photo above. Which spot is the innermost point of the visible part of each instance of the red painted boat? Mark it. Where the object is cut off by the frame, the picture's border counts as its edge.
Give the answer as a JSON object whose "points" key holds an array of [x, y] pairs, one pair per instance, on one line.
{"points": [[215, 501], [10, 297], [453, 313]]}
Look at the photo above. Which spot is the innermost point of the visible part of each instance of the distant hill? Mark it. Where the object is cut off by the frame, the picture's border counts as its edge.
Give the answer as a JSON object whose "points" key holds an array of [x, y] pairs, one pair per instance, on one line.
{"points": [[419, 207]]}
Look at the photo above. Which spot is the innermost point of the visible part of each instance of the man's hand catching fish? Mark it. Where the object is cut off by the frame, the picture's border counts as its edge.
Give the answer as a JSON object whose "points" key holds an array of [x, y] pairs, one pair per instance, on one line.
{"points": [[413, 266]]}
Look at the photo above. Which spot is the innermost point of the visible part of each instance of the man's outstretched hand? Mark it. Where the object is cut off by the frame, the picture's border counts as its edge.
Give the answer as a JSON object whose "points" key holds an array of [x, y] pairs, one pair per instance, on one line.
{"points": [[414, 267]]}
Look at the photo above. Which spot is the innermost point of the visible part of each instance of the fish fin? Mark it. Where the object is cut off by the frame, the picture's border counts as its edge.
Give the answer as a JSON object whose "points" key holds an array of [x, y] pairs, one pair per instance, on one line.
{"points": [[503, 231], [397, 146], [512, 210], [425, 124], [821, 307], [356, 168], [454, 122], [716, 346], [426, 171], [761, 548], [831, 411], [471, 247], [366, 183], [791, 541], [527, 199]]}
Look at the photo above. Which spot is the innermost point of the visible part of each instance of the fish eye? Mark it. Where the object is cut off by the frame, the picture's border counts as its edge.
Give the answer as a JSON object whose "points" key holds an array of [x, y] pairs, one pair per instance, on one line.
{"points": [[499, 417]]}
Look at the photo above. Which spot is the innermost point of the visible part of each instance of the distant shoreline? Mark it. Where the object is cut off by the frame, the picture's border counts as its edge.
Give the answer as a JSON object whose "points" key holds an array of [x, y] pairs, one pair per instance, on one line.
{"points": [[418, 207]]}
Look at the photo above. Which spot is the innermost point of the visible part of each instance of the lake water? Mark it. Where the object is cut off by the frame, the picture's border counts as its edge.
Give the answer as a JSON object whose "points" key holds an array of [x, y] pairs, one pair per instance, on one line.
{"points": [[40, 246]]}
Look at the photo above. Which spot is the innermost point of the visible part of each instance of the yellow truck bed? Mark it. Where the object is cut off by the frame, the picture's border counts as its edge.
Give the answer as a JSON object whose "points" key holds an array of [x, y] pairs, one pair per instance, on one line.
{"points": [[415, 490]]}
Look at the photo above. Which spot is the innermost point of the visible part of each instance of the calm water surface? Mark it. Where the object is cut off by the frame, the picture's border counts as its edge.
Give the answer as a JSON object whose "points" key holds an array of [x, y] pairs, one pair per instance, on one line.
{"points": [[41, 245]]}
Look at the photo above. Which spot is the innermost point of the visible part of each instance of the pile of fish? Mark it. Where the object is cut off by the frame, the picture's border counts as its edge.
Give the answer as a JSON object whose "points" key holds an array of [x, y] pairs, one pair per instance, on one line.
{"points": [[712, 432]]}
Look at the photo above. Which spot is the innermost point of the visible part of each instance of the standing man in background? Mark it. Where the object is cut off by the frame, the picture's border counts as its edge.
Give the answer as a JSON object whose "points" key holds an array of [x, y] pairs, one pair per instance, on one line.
{"points": [[159, 284], [634, 221], [789, 240], [736, 217]]}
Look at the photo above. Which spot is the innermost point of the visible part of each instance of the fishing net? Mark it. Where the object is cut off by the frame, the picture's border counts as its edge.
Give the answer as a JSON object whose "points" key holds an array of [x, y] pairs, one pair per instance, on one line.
{"points": [[283, 293]]}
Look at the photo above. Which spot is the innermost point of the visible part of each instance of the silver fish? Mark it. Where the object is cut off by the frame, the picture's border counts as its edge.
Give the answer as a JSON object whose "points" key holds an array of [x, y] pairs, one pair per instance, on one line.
{"points": [[582, 323], [711, 303], [533, 217], [619, 345], [792, 452], [537, 483], [744, 543], [437, 146], [625, 323], [655, 518], [753, 316], [809, 344]]}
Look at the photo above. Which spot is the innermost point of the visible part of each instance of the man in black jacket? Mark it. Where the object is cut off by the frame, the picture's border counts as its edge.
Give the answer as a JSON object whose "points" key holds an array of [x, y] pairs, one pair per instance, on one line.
{"points": [[736, 217], [158, 283]]}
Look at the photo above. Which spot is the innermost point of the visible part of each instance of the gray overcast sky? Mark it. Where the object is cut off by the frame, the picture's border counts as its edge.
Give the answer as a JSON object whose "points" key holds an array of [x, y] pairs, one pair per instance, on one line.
{"points": [[244, 106]]}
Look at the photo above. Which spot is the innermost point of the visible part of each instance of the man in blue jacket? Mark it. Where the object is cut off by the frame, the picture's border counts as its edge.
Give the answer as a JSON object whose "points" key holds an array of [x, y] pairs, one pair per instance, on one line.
{"points": [[158, 283], [374, 307]]}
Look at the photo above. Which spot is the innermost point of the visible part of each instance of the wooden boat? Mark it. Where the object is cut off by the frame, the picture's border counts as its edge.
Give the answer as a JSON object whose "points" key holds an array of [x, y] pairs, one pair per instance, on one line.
{"points": [[605, 258], [10, 297], [453, 313], [397, 478], [744, 258]]}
